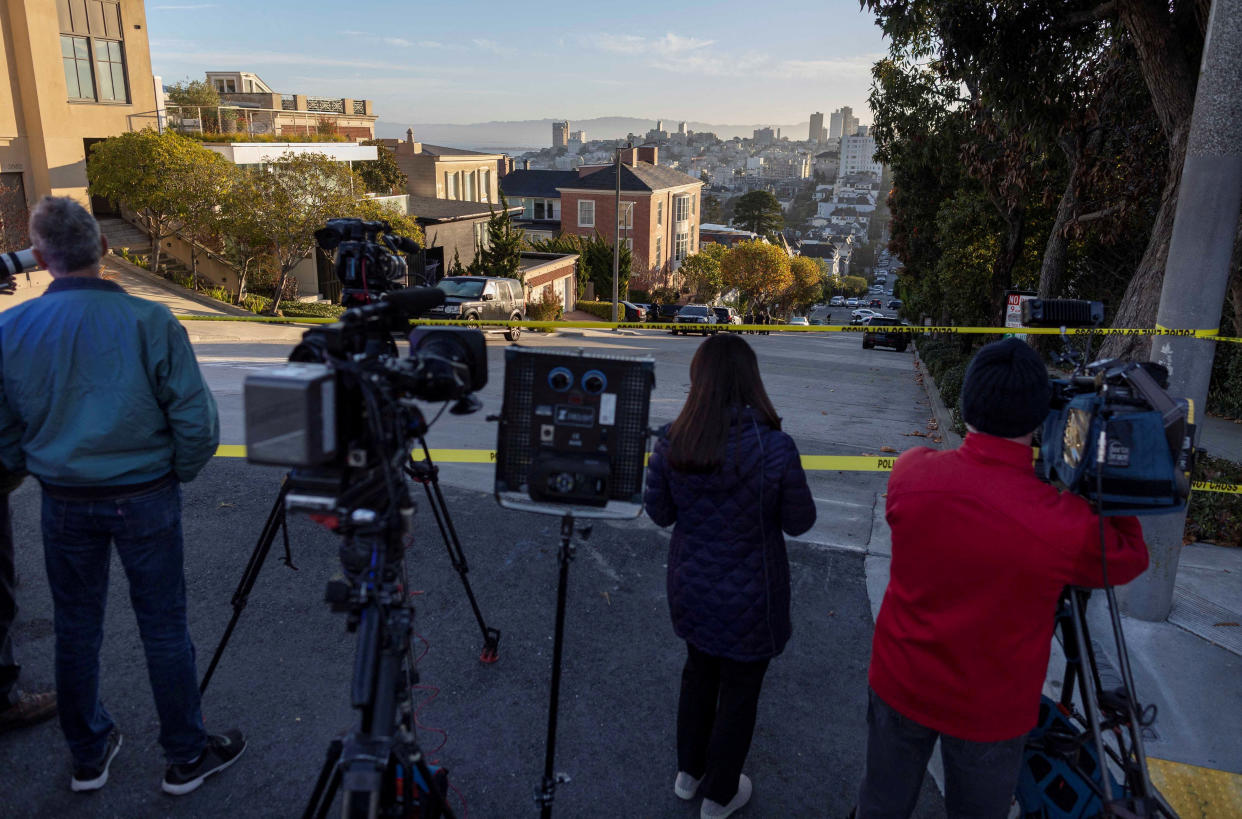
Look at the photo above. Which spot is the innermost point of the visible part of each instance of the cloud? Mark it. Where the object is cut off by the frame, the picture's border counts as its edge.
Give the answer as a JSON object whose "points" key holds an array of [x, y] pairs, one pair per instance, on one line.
{"points": [[260, 57], [491, 46], [752, 64], [398, 42], [669, 44]]}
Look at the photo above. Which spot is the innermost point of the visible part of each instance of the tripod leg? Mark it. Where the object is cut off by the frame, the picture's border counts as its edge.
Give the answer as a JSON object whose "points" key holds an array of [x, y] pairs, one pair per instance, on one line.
{"points": [[548, 787], [428, 474], [275, 521], [326, 785], [1087, 675]]}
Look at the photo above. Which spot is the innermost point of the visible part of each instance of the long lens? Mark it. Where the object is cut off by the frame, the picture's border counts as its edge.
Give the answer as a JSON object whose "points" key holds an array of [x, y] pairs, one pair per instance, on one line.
{"points": [[17, 262]]}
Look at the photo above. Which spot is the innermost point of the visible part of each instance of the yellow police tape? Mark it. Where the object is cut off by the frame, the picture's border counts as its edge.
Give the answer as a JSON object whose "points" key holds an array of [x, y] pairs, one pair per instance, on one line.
{"points": [[737, 328], [813, 463]]}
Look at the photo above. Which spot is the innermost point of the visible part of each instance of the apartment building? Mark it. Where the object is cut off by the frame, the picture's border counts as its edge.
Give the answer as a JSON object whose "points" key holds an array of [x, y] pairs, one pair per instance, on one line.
{"points": [[74, 72], [858, 155], [658, 218], [254, 107], [440, 172]]}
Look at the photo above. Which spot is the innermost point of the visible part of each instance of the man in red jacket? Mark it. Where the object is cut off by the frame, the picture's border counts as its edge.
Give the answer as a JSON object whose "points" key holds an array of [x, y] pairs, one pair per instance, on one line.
{"points": [[981, 551]]}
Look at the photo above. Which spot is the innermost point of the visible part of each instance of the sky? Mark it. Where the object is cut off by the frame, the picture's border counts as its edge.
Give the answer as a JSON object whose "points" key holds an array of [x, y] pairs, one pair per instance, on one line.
{"points": [[722, 62]]}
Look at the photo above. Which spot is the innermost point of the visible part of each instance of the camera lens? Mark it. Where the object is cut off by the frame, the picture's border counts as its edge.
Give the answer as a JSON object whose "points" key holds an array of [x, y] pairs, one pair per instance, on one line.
{"points": [[560, 379], [594, 382]]}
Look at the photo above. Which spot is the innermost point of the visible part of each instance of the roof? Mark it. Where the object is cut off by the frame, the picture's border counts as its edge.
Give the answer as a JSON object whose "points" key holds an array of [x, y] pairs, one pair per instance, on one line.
{"points": [[537, 183], [432, 209], [641, 177], [440, 150]]}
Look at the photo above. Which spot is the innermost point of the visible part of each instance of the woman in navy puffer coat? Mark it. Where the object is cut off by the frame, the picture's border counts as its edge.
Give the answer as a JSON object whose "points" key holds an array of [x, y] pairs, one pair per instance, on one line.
{"points": [[731, 482]]}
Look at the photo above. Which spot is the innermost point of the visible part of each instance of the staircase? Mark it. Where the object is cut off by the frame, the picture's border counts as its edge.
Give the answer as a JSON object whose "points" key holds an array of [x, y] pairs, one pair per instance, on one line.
{"points": [[121, 234]]}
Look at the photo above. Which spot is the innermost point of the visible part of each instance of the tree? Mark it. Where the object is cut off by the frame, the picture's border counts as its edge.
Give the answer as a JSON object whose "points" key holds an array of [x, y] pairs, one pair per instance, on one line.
{"points": [[381, 175], [297, 195], [757, 270], [854, 285], [713, 211], [501, 254], [200, 97], [701, 271], [172, 181], [594, 262], [758, 212], [806, 283]]}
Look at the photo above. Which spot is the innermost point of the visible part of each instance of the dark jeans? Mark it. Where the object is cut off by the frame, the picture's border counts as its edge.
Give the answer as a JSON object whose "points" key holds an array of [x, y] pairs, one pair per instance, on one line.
{"points": [[9, 669], [147, 533], [716, 720], [980, 777]]}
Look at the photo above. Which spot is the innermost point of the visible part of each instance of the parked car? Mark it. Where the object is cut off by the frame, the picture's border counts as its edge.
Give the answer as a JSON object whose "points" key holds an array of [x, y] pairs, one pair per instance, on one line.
{"points": [[726, 315], [837, 301], [861, 314], [894, 304], [633, 312], [877, 334], [851, 302], [697, 318], [481, 298], [876, 304], [798, 321], [666, 313]]}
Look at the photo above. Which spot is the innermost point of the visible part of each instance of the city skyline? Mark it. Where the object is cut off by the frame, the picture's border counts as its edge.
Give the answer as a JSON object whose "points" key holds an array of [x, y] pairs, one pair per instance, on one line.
{"points": [[569, 62]]}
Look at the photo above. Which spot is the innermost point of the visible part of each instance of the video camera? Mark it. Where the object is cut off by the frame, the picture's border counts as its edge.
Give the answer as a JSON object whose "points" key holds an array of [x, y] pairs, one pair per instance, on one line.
{"points": [[1147, 435], [367, 260], [341, 413], [12, 263]]}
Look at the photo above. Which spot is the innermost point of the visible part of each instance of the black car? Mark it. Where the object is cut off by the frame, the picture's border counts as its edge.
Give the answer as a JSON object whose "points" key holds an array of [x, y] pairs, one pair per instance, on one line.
{"points": [[695, 318], [633, 312], [877, 334], [894, 304], [665, 313]]}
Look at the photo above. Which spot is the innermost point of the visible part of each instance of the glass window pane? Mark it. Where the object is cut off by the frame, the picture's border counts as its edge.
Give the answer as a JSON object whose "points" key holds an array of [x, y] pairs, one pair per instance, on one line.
{"points": [[80, 49], [66, 46], [86, 88], [71, 79]]}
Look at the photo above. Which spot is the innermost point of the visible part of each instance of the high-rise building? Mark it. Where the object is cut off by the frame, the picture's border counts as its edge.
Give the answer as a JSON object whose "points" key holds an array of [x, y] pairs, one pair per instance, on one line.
{"points": [[834, 125], [858, 155], [560, 134], [842, 123], [817, 127], [764, 136], [659, 125], [823, 134], [681, 128]]}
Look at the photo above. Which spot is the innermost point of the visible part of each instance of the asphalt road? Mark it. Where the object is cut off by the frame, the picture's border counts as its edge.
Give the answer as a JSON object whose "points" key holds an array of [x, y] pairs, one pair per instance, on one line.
{"points": [[284, 679]]}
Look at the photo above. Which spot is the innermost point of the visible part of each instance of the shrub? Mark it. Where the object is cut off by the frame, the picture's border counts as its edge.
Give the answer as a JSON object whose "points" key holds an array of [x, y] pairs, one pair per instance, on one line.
{"points": [[1215, 517], [600, 309], [244, 137], [547, 308]]}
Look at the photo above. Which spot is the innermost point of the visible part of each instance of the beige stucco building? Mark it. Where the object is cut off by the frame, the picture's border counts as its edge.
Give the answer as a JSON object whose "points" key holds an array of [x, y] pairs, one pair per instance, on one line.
{"points": [[73, 72], [448, 173]]}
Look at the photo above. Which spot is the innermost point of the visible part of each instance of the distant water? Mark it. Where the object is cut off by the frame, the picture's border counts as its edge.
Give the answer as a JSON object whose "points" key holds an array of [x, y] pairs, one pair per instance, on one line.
{"points": [[499, 149]]}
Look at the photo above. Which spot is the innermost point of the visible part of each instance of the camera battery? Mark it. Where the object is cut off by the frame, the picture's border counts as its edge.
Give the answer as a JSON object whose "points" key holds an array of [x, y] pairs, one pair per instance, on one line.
{"points": [[291, 415]]}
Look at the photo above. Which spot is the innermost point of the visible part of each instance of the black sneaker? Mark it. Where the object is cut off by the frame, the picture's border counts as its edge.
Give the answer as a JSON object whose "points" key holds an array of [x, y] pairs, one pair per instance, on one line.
{"points": [[94, 777], [222, 751]]}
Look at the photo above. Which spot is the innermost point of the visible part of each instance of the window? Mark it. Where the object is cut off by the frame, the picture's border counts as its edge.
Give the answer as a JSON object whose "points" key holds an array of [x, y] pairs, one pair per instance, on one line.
{"points": [[485, 185], [659, 251], [586, 213], [681, 246], [111, 71], [450, 185], [92, 50], [480, 235], [627, 215], [470, 194], [75, 51], [659, 213], [540, 209], [629, 244], [681, 208]]}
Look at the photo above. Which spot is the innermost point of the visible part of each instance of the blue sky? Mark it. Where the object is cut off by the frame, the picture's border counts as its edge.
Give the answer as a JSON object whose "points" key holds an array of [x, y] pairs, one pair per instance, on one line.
{"points": [[722, 62]]}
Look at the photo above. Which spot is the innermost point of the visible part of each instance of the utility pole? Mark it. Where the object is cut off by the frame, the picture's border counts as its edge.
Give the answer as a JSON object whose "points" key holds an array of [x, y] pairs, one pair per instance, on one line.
{"points": [[1197, 272], [616, 241]]}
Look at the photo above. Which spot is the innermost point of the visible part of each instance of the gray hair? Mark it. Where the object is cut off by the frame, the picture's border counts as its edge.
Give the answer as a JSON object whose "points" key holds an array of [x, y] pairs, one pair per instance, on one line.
{"points": [[65, 234]]}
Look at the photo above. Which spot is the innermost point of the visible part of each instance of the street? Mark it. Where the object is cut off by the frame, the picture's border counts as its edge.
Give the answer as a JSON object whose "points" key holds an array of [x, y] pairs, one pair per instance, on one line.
{"points": [[284, 678]]}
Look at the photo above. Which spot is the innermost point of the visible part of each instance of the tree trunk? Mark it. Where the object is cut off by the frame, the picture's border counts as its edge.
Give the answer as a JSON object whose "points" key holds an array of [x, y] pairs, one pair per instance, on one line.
{"points": [[1006, 260], [1056, 250], [1141, 299], [1170, 81], [153, 223]]}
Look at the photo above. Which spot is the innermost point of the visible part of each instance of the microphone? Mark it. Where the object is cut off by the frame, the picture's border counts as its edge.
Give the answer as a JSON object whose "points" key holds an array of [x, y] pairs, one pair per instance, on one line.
{"points": [[413, 300]]}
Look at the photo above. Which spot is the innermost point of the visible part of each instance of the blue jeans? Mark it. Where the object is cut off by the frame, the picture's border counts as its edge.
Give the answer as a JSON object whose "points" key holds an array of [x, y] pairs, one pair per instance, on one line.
{"points": [[76, 546], [980, 777]]}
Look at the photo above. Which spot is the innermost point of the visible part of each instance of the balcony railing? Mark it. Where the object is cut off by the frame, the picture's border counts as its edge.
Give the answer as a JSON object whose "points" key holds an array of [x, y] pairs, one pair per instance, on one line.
{"points": [[258, 122], [325, 105]]}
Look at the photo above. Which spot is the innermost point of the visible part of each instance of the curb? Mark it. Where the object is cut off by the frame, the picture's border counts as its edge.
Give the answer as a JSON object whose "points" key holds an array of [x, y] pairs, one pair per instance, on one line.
{"points": [[943, 417]]}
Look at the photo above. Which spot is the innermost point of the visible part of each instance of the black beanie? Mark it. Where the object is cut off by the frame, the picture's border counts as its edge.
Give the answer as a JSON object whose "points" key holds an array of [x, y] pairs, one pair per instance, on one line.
{"points": [[1006, 390]]}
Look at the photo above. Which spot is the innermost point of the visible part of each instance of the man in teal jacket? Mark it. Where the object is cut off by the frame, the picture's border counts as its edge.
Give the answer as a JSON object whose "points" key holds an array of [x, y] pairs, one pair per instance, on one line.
{"points": [[102, 400]]}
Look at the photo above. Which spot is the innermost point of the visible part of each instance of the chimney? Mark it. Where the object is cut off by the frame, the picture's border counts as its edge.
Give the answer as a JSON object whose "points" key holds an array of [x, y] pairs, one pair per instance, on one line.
{"points": [[629, 155], [649, 153], [411, 147]]}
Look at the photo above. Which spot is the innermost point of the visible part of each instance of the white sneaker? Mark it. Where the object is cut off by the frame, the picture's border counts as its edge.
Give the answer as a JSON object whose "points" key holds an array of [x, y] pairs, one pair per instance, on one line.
{"points": [[686, 785], [714, 810]]}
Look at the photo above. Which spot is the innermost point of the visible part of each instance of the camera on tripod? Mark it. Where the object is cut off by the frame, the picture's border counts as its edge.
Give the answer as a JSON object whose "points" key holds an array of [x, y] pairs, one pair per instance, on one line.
{"points": [[367, 260], [12, 263], [1149, 451]]}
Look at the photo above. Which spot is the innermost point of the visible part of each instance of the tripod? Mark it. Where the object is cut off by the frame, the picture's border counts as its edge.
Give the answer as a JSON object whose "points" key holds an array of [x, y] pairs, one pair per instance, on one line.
{"points": [[426, 473], [378, 765]]}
